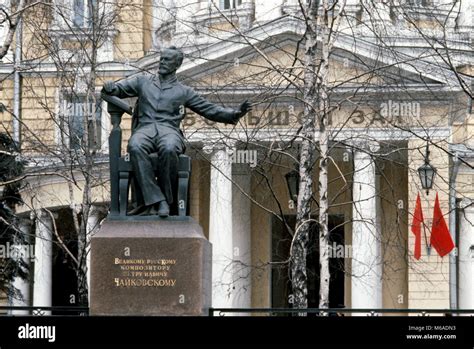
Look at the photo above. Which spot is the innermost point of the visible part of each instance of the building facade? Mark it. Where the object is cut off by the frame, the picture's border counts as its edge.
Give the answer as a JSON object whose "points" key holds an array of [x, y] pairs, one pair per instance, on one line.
{"points": [[400, 75]]}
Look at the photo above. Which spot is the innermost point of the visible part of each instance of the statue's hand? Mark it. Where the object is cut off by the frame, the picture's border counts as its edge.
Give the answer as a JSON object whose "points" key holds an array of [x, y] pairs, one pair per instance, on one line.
{"points": [[109, 87], [244, 108]]}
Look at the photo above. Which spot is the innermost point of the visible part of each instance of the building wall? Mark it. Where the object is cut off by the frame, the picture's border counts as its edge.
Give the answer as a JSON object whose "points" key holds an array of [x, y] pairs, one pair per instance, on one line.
{"points": [[129, 43], [39, 103], [428, 278], [6, 93]]}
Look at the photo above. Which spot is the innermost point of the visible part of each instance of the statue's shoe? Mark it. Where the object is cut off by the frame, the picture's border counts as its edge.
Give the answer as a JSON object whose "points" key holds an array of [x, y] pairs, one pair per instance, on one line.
{"points": [[163, 209], [137, 211], [148, 211]]}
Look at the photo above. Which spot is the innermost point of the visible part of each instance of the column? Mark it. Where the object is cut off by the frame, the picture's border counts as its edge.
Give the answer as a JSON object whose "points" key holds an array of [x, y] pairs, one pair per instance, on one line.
{"points": [[366, 233], [220, 227], [163, 15], [22, 251], [184, 11], [466, 255], [247, 14], [241, 228], [267, 10], [466, 15], [376, 14], [43, 270], [93, 224], [351, 9]]}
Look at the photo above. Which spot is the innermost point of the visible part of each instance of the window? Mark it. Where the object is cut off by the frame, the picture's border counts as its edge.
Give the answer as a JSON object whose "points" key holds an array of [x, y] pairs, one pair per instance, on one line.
{"points": [[229, 4], [76, 109], [83, 12]]}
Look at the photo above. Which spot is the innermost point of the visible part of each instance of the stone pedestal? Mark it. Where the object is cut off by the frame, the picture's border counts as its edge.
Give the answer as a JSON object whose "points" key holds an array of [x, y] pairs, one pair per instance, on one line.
{"points": [[150, 266]]}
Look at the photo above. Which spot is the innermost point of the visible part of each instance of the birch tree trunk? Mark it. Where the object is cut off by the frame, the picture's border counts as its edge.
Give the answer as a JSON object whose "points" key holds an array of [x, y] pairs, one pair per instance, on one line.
{"points": [[89, 153], [323, 133], [307, 158], [11, 20], [317, 107]]}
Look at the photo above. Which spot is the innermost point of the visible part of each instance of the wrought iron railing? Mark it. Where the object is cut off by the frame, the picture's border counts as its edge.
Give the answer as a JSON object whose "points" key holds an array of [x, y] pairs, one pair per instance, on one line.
{"points": [[44, 311], [339, 312], [84, 311]]}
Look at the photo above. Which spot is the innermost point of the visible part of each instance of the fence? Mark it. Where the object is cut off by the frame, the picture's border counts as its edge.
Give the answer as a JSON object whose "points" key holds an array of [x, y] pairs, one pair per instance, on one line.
{"points": [[84, 311], [338, 312]]}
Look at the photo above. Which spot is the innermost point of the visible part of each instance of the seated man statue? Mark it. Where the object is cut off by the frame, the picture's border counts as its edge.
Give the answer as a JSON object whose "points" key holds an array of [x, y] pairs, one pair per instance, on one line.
{"points": [[161, 106]]}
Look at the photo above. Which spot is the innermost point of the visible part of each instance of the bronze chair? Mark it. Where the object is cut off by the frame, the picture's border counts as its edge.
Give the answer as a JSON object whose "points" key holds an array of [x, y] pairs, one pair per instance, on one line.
{"points": [[121, 170]]}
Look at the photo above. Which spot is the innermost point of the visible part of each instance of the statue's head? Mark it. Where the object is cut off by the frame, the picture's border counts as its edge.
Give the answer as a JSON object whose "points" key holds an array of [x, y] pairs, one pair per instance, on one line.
{"points": [[170, 60]]}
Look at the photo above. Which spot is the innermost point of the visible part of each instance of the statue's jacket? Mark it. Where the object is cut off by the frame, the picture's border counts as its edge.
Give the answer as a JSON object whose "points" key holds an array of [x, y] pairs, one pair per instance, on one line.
{"points": [[161, 107]]}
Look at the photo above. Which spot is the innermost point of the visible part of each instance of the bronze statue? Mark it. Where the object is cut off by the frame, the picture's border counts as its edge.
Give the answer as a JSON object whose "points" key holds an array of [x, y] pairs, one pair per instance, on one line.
{"points": [[159, 111]]}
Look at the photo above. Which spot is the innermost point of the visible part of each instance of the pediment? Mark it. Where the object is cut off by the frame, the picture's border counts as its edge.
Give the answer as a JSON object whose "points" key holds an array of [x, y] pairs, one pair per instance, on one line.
{"points": [[271, 55], [278, 61]]}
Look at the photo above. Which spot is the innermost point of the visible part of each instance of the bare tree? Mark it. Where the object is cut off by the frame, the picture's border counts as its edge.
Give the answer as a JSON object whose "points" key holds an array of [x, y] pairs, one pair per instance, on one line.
{"points": [[72, 148], [302, 76]]}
